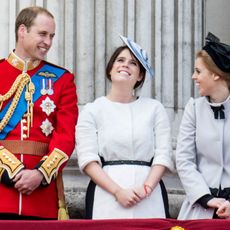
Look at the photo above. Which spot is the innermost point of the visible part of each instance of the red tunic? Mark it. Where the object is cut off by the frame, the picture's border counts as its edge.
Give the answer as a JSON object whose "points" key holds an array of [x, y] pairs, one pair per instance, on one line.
{"points": [[43, 202]]}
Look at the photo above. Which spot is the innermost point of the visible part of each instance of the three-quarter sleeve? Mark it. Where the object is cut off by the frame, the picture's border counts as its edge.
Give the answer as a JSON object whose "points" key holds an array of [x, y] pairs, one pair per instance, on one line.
{"points": [[86, 138]]}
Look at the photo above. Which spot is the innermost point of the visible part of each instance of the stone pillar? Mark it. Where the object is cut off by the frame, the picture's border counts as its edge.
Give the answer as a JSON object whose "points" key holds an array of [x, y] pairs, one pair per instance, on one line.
{"points": [[178, 36]]}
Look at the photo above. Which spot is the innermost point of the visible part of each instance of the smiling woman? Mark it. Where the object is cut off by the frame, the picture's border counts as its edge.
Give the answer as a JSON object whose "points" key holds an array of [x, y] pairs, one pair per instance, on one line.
{"points": [[203, 153], [124, 144], [211, 80], [125, 75]]}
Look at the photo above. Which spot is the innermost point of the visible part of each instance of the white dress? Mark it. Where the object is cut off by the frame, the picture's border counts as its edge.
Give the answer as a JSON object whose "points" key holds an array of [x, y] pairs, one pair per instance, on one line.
{"points": [[138, 130]]}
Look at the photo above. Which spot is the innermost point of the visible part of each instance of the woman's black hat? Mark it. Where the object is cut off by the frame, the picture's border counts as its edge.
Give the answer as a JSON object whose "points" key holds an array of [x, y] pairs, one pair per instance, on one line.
{"points": [[219, 52]]}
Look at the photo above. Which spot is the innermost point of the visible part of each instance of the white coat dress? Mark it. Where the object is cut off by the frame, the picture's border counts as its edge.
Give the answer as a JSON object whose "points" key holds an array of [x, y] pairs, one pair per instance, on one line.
{"points": [[138, 130], [202, 155]]}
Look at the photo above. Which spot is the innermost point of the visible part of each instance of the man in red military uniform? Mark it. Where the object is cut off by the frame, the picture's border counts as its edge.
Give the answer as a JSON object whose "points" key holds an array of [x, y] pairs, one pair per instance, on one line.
{"points": [[38, 114]]}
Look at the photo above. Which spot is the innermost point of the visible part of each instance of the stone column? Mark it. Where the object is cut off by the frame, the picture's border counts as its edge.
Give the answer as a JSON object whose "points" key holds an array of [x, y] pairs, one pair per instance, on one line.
{"points": [[178, 35], [178, 26]]}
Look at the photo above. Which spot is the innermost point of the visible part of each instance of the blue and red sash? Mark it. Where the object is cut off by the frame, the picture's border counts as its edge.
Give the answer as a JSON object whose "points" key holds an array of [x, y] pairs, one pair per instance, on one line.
{"points": [[22, 103]]}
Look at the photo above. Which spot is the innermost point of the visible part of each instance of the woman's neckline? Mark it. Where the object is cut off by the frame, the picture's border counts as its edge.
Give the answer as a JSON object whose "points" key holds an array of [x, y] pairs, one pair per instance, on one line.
{"points": [[218, 103], [135, 99]]}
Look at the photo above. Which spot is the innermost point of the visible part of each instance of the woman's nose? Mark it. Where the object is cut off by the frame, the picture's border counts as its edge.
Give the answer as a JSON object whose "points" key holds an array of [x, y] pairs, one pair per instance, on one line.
{"points": [[125, 63], [125, 66], [194, 76]]}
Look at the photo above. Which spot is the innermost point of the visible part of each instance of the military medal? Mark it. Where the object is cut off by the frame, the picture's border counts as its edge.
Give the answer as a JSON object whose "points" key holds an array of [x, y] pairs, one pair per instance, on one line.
{"points": [[48, 106], [50, 90], [43, 90]]}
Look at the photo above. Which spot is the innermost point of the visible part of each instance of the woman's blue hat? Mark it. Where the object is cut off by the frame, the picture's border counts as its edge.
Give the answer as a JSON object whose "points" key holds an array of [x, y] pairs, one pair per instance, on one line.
{"points": [[139, 53]]}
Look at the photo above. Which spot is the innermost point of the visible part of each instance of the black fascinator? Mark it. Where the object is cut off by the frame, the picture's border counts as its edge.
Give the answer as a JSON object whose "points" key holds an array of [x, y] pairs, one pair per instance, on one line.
{"points": [[219, 52]]}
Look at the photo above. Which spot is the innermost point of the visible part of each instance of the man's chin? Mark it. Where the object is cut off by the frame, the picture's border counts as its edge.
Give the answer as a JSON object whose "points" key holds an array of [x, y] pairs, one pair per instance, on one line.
{"points": [[40, 57]]}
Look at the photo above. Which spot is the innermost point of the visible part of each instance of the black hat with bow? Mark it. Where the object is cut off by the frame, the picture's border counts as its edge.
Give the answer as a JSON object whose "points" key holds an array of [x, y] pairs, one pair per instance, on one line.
{"points": [[219, 52]]}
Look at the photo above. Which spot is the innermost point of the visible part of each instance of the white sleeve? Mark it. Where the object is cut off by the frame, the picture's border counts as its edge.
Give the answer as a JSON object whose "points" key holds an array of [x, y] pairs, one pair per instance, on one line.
{"points": [[86, 139], [163, 148]]}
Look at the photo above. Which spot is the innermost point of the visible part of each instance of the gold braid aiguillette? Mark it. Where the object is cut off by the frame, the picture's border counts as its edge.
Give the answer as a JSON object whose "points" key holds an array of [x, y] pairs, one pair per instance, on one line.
{"points": [[16, 89]]}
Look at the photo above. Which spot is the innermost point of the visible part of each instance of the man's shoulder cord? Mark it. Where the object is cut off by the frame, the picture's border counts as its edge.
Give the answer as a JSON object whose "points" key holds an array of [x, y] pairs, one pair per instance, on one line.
{"points": [[18, 86]]}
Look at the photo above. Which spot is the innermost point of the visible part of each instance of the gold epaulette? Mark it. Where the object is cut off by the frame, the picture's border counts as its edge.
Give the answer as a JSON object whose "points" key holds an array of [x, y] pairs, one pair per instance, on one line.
{"points": [[9, 162], [52, 163]]}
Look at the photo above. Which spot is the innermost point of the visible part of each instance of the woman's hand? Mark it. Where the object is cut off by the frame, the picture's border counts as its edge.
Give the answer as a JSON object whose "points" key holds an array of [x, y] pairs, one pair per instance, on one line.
{"points": [[224, 210], [140, 191], [127, 197], [215, 202], [143, 191]]}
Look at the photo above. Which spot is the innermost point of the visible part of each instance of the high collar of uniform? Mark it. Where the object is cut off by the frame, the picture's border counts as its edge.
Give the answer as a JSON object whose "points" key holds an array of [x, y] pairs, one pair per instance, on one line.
{"points": [[21, 64]]}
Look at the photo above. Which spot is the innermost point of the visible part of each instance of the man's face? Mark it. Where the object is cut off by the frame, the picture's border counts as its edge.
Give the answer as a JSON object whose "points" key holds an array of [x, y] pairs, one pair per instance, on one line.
{"points": [[35, 42]]}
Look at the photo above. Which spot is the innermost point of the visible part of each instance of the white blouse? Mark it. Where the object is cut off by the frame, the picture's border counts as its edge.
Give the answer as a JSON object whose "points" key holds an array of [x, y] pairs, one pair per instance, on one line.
{"points": [[133, 131], [138, 130]]}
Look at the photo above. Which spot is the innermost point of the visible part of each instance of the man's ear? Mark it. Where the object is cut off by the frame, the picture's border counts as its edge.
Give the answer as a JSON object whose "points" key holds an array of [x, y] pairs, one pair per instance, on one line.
{"points": [[22, 30]]}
